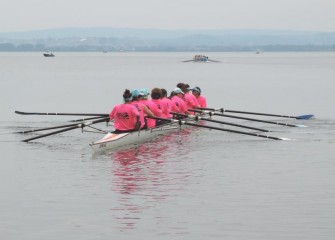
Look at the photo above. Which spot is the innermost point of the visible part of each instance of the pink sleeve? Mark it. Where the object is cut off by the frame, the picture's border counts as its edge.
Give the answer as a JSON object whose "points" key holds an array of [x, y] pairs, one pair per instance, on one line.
{"points": [[112, 114]]}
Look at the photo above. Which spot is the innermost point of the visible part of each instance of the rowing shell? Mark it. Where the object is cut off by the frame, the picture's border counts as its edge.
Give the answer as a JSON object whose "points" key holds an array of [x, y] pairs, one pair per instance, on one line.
{"points": [[112, 140]]}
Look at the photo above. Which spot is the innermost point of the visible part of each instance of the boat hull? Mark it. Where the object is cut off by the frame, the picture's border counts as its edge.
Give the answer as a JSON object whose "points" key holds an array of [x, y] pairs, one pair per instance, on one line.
{"points": [[112, 141]]}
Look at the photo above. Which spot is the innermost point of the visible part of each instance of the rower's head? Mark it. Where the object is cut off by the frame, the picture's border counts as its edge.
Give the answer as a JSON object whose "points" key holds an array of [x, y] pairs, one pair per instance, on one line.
{"points": [[178, 92], [182, 86], [187, 88], [156, 93], [144, 93], [164, 93], [136, 94], [196, 91], [127, 96]]}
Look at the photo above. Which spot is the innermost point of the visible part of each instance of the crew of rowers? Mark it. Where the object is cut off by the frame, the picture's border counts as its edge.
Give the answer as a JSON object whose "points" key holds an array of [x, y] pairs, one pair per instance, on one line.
{"points": [[134, 114], [200, 58]]}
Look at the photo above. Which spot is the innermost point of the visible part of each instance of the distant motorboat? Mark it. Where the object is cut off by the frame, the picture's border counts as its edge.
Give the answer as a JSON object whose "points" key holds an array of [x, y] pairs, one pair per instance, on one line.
{"points": [[48, 54], [200, 58]]}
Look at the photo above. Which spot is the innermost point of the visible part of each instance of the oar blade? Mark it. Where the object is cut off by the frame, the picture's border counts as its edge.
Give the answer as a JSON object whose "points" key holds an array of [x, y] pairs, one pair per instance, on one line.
{"points": [[301, 126], [305, 117], [285, 139]]}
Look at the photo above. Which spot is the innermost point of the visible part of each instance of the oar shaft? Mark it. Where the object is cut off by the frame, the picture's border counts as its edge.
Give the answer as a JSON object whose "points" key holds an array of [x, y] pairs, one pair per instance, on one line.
{"points": [[221, 122], [261, 114], [256, 120], [81, 125], [245, 118], [56, 127], [217, 128], [63, 114], [48, 128], [233, 131], [86, 119], [49, 134], [222, 110]]}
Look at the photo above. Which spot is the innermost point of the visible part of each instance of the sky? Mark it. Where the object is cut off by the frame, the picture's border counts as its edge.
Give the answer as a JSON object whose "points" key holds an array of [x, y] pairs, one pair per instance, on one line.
{"points": [[302, 15]]}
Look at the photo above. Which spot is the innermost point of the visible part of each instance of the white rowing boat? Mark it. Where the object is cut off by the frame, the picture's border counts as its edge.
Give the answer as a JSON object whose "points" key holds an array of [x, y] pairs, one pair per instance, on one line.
{"points": [[113, 140]]}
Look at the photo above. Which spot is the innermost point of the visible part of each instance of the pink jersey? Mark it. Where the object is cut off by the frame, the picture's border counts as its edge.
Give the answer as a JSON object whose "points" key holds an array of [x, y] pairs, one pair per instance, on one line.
{"points": [[162, 106], [190, 102], [139, 106], [155, 110], [171, 107], [124, 116], [180, 104], [202, 101]]}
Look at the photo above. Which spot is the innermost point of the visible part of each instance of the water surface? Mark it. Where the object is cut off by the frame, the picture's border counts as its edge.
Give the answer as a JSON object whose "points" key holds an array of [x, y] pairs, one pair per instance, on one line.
{"points": [[193, 184]]}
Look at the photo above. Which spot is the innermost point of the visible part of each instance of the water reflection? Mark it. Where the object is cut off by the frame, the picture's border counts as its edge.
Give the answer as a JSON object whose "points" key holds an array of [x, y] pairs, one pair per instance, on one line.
{"points": [[143, 176]]}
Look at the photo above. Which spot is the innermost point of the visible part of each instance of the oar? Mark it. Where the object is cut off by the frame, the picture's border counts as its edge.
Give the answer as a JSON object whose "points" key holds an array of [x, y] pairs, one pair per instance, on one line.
{"points": [[244, 118], [216, 121], [222, 110], [213, 60], [56, 127], [188, 60], [48, 128], [85, 119], [220, 129], [80, 125], [63, 114]]}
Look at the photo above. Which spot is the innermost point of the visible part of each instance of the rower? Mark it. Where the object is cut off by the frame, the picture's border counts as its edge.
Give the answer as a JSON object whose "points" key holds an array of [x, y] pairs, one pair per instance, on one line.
{"points": [[177, 96], [126, 117], [171, 107], [190, 101], [151, 123], [188, 91], [196, 91], [156, 95], [141, 108]]}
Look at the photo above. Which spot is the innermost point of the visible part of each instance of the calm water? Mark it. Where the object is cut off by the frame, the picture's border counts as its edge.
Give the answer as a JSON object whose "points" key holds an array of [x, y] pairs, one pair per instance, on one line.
{"points": [[196, 184]]}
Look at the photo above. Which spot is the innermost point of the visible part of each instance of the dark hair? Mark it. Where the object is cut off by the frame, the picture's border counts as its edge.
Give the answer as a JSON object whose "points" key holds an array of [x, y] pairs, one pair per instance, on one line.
{"points": [[156, 93], [172, 94], [164, 92], [182, 86], [127, 94]]}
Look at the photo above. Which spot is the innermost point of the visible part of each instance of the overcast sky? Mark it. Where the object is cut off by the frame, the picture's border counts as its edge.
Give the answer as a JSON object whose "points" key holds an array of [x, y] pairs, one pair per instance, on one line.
{"points": [[25, 15]]}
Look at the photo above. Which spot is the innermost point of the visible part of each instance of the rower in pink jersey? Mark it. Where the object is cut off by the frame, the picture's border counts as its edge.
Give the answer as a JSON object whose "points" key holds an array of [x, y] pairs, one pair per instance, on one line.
{"points": [[171, 107], [126, 117], [156, 95], [195, 100], [151, 123], [201, 99], [177, 99], [190, 100], [141, 108]]}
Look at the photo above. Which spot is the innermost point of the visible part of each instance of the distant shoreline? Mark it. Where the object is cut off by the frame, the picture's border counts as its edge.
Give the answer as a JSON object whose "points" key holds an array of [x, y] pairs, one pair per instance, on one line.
{"points": [[155, 40]]}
